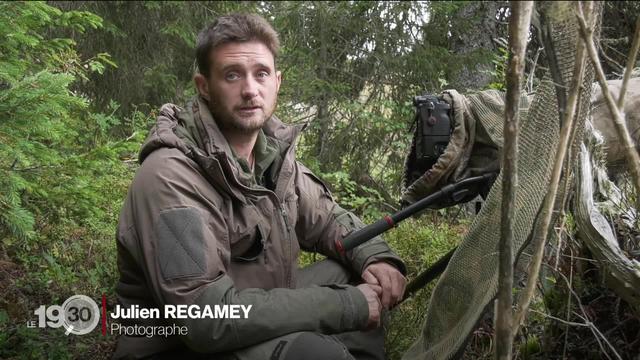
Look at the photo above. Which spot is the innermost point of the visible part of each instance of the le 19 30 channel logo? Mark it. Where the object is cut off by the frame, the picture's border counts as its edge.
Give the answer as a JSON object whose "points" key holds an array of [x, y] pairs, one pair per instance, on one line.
{"points": [[79, 315]]}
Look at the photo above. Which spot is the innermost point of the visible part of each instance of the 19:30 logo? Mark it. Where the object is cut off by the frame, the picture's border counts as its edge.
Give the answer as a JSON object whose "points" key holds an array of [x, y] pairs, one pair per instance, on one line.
{"points": [[79, 315]]}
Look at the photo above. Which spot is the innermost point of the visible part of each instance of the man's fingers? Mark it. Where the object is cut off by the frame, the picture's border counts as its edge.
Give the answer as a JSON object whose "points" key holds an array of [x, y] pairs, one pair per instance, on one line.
{"points": [[389, 292], [391, 281], [396, 289], [369, 278], [399, 283], [385, 283]]}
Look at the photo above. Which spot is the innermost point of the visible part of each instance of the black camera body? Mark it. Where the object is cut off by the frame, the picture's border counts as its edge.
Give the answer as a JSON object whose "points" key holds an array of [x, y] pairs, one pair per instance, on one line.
{"points": [[434, 127]]}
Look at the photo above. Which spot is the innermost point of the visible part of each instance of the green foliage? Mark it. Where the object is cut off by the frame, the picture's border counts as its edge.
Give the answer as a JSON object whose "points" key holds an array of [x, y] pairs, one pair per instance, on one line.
{"points": [[355, 197], [62, 175], [52, 148], [531, 346], [25, 49], [500, 61], [34, 102]]}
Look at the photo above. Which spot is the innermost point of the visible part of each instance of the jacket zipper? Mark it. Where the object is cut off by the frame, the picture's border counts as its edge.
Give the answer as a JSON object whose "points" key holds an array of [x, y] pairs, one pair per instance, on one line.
{"points": [[285, 220]]}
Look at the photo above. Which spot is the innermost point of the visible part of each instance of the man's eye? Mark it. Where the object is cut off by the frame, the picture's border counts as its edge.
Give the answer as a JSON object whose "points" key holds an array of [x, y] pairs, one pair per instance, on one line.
{"points": [[232, 76], [263, 74]]}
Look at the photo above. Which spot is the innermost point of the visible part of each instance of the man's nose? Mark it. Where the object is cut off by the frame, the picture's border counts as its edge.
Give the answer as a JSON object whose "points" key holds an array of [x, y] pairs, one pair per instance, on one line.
{"points": [[249, 88]]}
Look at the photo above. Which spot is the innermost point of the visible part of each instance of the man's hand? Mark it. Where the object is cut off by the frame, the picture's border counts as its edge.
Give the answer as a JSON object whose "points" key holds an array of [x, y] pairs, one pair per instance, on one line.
{"points": [[389, 279], [372, 294]]}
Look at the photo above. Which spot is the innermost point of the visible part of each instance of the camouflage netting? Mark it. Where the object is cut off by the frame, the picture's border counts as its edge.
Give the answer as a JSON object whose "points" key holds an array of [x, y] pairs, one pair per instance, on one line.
{"points": [[470, 281]]}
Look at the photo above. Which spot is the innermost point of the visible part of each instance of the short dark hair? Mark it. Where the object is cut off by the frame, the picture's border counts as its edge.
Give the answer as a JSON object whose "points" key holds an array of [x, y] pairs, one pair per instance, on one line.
{"points": [[234, 28]]}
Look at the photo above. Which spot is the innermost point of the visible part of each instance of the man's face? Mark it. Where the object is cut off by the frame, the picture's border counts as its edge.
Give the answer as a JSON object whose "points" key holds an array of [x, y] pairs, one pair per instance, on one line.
{"points": [[242, 87]]}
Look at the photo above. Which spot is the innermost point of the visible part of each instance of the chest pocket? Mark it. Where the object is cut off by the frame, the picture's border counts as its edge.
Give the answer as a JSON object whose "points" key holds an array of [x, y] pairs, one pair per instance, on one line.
{"points": [[250, 246], [249, 240]]}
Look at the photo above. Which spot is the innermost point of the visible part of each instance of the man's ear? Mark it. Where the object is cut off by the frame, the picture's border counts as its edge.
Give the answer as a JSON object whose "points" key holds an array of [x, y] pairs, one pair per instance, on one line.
{"points": [[202, 85], [278, 80]]}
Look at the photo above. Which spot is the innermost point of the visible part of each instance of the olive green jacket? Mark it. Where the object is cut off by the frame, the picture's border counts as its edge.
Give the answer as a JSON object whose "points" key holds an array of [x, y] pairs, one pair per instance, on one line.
{"points": [[190, 232]]}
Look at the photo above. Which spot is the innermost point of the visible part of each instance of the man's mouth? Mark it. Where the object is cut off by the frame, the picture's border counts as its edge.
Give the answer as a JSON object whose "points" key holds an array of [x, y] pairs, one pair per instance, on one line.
{"points": [[250, 107]]}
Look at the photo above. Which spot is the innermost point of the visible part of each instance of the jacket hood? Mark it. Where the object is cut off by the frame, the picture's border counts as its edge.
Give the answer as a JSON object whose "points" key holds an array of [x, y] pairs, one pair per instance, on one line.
{"points": [[194, 128]]}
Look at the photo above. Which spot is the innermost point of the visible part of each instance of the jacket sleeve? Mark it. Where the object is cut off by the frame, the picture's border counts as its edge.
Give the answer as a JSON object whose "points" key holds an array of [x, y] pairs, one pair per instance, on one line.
{"points": [[180, 242], [321, 221]]}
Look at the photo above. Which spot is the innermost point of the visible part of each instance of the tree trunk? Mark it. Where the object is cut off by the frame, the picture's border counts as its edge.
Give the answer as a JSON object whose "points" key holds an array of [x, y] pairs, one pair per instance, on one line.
{"points": [[472, 33]]}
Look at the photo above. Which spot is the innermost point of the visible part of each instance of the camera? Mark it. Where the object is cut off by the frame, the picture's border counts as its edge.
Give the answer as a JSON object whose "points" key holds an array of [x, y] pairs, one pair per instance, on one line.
{"points": [[433, 130]]}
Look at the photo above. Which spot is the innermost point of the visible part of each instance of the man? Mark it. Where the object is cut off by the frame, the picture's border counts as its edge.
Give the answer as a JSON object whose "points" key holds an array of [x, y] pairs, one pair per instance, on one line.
{"points": [[219, 210]]}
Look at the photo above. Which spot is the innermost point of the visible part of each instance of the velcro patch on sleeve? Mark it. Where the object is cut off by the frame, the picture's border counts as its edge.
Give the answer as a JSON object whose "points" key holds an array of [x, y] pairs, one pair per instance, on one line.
{"points": [[180, 235]]}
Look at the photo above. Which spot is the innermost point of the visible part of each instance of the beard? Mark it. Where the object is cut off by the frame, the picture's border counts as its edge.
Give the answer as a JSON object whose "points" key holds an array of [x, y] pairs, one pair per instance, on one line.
{"points": [[230, 120]]}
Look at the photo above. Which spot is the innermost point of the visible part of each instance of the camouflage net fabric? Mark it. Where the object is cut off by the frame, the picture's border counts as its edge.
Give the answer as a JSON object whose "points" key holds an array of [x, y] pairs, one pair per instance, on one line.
{"points": [[470, 281]]}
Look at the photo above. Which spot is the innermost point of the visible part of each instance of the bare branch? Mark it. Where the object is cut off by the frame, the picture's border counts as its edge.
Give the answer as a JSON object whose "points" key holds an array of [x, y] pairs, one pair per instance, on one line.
{"points": [[532, 72], [518, 32], [631, 62], [610, 60], [570, 323]]}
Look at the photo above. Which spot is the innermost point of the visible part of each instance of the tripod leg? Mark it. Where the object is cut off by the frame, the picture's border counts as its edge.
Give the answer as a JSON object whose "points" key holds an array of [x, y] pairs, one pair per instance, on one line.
{"points": [[428, 275]]}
